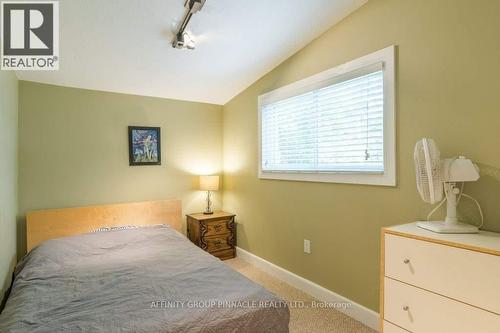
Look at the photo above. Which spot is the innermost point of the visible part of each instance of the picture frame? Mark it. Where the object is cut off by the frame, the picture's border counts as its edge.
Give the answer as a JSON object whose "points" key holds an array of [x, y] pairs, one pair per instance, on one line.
{"points": [[144, 145]]}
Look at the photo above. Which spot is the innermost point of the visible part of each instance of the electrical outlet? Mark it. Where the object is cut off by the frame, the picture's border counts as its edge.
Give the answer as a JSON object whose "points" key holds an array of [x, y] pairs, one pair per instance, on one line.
{"points": [[307, 246]]}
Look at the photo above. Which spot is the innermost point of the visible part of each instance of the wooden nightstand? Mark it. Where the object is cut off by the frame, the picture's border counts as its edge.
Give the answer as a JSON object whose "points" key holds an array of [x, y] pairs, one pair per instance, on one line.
{"points": [[214, 233]]}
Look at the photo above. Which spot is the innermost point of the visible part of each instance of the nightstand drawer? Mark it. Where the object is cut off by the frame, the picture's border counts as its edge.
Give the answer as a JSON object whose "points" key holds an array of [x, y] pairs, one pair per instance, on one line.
{"points": [[218, 227], [217, 243], [225, 254]]}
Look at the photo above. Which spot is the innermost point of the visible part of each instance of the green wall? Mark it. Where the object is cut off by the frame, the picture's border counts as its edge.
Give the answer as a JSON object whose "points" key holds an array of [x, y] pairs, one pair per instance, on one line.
{"points": [[73, 149], [448, 88], [8, 176]]}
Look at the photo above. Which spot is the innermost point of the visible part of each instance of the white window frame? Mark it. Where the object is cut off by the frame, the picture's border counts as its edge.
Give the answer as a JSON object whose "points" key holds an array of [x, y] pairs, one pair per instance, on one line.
{"points": [[388, 177]]}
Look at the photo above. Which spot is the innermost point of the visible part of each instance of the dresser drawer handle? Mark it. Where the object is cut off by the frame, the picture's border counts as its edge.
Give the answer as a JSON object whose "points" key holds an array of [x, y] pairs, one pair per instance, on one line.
{"points": [[217, 227], [406, 261], [406, 308]]}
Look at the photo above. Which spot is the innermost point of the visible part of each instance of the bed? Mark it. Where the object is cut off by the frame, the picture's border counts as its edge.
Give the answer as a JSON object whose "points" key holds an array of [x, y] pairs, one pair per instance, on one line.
{"points": [[143, 279]]}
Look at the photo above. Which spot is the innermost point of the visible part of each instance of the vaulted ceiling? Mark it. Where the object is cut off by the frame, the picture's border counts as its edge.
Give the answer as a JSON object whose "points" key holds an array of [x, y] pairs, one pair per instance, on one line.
{"points": [[125, 45]]}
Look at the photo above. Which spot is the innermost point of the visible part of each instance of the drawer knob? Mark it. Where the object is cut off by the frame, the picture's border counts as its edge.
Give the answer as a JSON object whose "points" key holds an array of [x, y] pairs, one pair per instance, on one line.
{"points": [[406, 308], [406, 261]]}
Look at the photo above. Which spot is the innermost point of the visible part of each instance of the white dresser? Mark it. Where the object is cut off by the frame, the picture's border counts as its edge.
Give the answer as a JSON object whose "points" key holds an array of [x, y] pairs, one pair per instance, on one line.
{"points": [[439, 283]]}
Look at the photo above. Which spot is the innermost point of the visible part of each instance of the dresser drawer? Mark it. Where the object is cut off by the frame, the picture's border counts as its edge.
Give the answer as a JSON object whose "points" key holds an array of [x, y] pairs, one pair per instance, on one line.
{"points": [[217, 243], [390, 328], [219, 227], [420, 311], [465, 275]]}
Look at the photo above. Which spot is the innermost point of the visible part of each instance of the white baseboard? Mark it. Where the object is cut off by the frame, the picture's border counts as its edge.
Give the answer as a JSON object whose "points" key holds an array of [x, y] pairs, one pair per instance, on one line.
{"points": [[357, 311]]}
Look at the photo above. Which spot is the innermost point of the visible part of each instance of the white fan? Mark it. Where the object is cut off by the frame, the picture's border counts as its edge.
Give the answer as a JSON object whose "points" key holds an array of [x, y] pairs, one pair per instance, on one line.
{"points": [[436, 177]]}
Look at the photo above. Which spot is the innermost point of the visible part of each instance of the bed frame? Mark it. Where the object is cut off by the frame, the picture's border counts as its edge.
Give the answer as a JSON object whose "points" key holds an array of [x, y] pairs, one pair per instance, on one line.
{"points": [[47, 224]]}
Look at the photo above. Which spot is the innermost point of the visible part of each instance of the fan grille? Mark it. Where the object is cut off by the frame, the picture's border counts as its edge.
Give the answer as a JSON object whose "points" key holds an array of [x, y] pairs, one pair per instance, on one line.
{"points": [[428, 168]]}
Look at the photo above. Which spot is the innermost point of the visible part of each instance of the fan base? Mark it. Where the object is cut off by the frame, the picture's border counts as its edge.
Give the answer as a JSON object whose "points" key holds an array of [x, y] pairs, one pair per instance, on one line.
{"points": [[448, 228]]}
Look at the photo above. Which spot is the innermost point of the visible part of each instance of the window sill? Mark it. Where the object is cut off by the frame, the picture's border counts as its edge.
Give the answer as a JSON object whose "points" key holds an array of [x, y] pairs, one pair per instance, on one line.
{"points": [[381, 179]]}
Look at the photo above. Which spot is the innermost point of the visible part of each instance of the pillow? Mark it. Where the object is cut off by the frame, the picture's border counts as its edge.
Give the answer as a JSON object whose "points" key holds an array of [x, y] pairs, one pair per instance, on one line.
{"points": [[101, 229], [121, 227]]}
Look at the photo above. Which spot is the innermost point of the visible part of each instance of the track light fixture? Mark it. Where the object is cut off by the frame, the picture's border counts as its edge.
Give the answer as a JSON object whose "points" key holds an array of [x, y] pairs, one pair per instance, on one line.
{"points": [[182, 39]]}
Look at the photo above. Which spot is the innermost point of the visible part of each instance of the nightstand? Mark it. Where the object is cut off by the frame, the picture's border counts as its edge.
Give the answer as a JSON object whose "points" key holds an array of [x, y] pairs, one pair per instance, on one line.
{"points": [[214, 233]]}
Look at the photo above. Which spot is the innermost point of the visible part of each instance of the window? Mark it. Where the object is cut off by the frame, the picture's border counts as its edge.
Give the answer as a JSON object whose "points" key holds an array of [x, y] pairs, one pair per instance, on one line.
{"points": [[336, 126]]}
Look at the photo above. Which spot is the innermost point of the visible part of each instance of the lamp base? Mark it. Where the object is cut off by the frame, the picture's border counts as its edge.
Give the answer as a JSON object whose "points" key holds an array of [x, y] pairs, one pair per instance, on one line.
{"points": [[208, 210]]}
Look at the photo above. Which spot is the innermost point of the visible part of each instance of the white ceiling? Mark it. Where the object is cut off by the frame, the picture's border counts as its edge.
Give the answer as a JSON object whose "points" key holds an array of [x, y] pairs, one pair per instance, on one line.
{"points": [[124, 45]]}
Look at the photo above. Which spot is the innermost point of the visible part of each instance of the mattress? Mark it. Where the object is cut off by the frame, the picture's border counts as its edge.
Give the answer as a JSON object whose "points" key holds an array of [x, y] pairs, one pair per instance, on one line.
{"points": [[148, 279]]}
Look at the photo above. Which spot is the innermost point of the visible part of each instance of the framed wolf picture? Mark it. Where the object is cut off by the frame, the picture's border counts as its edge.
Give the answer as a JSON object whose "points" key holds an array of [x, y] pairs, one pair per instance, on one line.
{"points": [[144, 145]]}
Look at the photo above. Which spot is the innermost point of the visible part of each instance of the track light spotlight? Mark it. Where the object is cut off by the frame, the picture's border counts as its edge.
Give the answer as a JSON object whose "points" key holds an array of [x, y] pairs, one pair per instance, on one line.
{"points": [[182, 39], [194, 6]]}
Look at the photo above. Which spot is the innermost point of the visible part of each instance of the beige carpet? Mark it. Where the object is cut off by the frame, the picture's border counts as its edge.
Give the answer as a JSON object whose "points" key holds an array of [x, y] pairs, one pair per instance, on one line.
{"points": [[301, 319]]}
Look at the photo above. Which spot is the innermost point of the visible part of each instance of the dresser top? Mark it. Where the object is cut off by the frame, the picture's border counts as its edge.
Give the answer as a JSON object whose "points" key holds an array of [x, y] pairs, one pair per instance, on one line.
{"points": [[484, 241]]}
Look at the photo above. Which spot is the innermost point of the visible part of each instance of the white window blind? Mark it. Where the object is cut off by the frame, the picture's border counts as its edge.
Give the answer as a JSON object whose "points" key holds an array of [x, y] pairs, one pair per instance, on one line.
{"points": [[334, 128]]}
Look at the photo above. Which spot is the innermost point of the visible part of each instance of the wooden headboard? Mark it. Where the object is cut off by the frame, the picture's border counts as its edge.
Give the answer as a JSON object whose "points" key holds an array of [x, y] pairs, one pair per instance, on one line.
{"points": [[47, 224]]}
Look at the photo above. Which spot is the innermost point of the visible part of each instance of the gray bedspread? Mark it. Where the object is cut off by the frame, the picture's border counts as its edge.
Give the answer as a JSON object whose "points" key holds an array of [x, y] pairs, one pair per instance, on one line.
{"points": [[137, 280]]}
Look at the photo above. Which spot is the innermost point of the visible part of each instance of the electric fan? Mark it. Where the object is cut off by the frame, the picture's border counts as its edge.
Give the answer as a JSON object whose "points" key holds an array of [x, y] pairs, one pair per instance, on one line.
{"points": [[435, 178]]}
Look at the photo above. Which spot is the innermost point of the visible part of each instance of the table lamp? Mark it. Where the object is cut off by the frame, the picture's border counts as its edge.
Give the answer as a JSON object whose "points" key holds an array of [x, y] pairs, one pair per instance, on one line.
{"points": [[209, 183]]}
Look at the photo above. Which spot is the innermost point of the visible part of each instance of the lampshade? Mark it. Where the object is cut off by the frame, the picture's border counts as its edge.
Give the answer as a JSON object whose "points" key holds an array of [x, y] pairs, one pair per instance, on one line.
{"points": [[209, 183]]}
